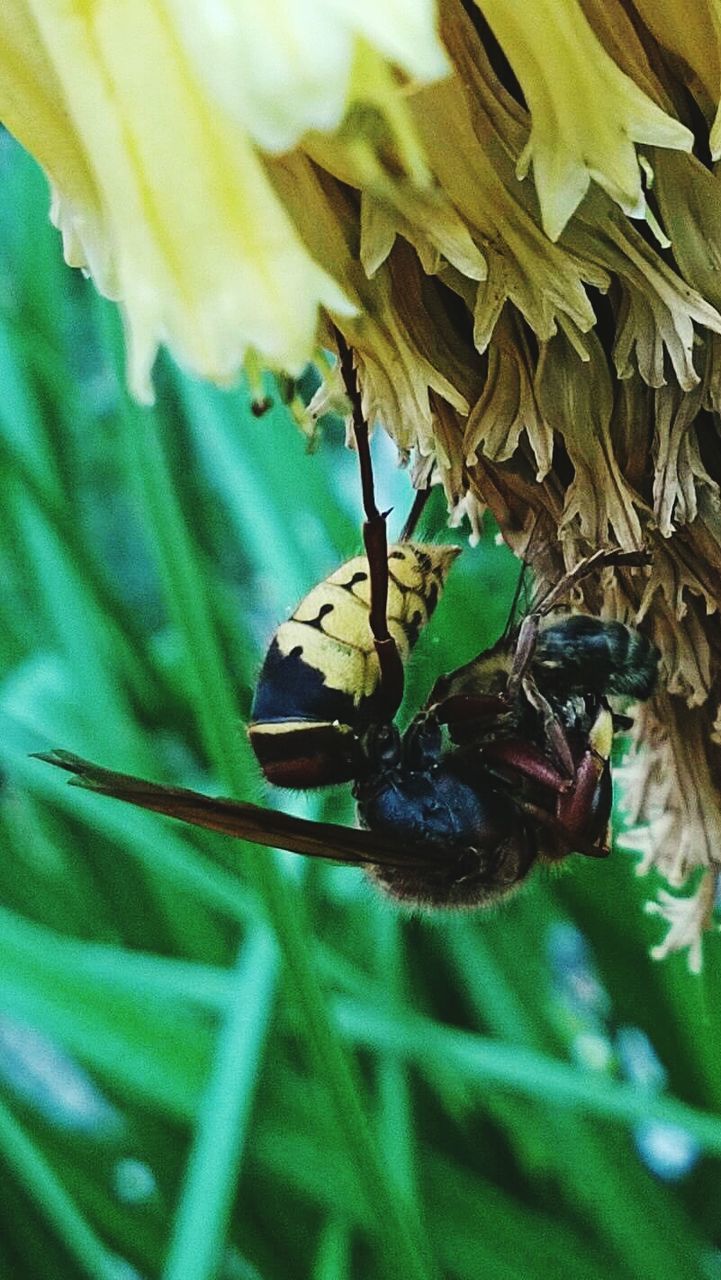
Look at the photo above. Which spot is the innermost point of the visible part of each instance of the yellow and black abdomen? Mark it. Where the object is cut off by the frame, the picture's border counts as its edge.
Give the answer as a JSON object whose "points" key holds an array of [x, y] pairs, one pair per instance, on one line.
{"points": [[319, 687]]}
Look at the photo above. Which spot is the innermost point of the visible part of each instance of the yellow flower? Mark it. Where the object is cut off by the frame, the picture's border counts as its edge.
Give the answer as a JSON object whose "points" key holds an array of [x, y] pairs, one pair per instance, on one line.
{"points": [[586, 113], [145, 115]]}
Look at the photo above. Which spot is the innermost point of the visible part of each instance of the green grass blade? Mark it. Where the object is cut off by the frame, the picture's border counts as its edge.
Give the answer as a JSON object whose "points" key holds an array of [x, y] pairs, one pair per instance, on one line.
{"points": [[224, 1114]]}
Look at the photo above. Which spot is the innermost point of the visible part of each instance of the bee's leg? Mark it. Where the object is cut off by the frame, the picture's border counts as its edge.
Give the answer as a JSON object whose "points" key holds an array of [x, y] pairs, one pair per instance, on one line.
{"points": [[528, 635], [520, 678], [376, 545]]}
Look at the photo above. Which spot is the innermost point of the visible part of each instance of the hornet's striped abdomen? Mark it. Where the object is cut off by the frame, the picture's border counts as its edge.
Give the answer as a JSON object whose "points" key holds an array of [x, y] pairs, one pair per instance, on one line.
{"points": [[319, 687]]}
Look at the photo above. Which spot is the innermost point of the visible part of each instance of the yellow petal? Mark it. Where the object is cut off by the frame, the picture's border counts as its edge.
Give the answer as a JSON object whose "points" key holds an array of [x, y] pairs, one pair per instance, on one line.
{"points": [[624, 40], [32, 108], [577, 403], [204, 256], [586, 113], [290, 67], [403, 30], [279, 72], [687, 919], [508, 406], [689, 196], [397, 339], [692, 34], [392, 205], [476, 174], [659, 308]]}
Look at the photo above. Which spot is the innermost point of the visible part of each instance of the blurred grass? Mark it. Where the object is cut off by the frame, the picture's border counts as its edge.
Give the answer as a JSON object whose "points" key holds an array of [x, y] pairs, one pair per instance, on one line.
{"points": [[220, 1062]]}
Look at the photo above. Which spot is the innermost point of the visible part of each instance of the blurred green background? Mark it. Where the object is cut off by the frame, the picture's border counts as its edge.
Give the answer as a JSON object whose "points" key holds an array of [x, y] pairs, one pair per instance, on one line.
{"points": [[216, 1061]]}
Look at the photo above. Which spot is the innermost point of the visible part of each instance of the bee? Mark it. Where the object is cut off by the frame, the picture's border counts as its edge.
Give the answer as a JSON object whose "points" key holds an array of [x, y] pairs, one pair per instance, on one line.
{"points": [[507, 764]]}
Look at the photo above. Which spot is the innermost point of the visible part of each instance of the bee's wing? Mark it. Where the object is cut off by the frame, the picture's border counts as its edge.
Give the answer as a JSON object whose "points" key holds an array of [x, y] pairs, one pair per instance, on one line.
{"points": [[239, 818]]}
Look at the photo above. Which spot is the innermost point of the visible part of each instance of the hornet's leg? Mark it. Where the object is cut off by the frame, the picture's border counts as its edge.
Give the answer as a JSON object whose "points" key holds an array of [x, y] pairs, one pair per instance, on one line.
{"points": [[582, 811], [569, 843], [376, 545]]}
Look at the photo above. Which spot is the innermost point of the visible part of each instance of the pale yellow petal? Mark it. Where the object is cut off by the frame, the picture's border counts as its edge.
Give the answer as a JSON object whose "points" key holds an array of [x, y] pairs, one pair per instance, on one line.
{"points": [[692, 34], [279, 72], [586, 113], [290, 68], [205, 257], [404, 31], [32, 108], [540, 278], [688, 919]]}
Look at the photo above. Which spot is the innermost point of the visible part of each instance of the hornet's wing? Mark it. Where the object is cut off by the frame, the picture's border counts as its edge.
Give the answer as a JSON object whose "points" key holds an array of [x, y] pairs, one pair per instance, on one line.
{"points": [[240, 819]]}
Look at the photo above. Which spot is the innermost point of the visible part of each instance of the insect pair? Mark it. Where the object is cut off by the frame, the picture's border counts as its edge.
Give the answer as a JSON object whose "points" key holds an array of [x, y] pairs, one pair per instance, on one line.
{"points": [[505, 765]]}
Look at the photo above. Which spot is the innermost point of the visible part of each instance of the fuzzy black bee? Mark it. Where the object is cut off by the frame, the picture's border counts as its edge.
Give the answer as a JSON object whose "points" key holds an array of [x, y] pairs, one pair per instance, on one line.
{"points": [[506, 765]]}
